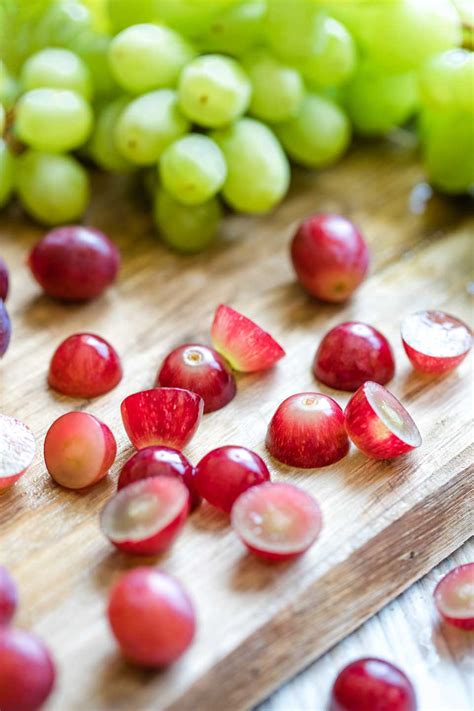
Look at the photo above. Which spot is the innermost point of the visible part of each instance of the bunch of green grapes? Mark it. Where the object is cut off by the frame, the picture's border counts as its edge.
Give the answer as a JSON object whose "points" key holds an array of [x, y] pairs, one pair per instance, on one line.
{"points": [[212, 99]]}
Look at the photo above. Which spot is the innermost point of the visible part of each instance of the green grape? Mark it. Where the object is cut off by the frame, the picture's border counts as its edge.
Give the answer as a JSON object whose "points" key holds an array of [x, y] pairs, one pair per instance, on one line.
{"points": [[2, 120], [145, 57], [318, 135], [102, 146], [18, 21], [148, 125], [332, 59], [193, 169], [334, 93], [188, 17], [401, 34], [447, 81], [213, 90], [277, 89], [377, 102], [93, 49], [186, 228], [53, 188], [6, 173], [56, 68], [54, 120], [236, 29], [99, 14], [8, 87], [124, 13], [69, 24], [258, 172], [448, 150], [291, 28], [9, 91], [61, 25]]}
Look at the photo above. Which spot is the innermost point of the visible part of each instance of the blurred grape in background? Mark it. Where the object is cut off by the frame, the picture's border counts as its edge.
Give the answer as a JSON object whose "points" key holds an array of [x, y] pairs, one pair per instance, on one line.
{"points": [[209, 101]]}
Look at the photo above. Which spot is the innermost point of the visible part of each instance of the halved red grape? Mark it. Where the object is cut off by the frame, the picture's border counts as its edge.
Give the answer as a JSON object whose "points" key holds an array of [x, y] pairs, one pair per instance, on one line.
{"points": [[162, 416], [225, 473], [159, 461], [307, 431], [84, 365], [144, 518], [378, 424], [352, 353], [434, 341], [276, 521], [201, 370], [17, 450], [79, 450], [454, 597]]}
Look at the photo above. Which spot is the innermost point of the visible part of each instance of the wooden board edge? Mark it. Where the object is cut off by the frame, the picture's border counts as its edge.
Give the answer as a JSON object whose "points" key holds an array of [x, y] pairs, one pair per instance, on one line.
{"points": [[413, 544]]}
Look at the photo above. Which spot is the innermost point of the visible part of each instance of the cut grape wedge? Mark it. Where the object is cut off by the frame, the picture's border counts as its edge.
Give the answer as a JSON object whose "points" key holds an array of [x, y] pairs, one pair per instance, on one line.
{"points": [[276, 521], [246, 346], [454, 597], [79, 450], [163, 416], [434, 341], [144, 518], [378, 424], [17, 449]]}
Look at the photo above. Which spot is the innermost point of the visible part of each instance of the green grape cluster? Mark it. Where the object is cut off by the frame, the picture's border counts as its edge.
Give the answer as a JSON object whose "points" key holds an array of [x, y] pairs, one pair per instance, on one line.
{"points": [[212, 99]]}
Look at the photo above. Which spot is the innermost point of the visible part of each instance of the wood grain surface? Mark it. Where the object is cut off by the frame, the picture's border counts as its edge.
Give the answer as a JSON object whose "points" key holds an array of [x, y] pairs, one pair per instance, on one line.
{"points": [[386, 523], [408, 632]]}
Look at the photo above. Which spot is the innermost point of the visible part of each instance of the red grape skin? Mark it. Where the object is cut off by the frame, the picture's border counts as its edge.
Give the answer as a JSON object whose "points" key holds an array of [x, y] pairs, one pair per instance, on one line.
{"points": [[4, 280], [8, 596], [159, 461], [27, 672], [84, 365], [5, 329], [74, 263], [151, 617], [372, 685], [226, 472], [352, 353]]}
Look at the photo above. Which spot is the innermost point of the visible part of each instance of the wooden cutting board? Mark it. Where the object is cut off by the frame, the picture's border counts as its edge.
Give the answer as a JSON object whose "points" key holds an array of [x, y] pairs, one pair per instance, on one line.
{"points": [[385, 524]]}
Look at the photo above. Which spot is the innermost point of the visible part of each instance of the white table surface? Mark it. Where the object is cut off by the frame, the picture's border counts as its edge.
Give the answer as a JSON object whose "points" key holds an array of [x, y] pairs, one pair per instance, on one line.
{"points": [[438, 658]]}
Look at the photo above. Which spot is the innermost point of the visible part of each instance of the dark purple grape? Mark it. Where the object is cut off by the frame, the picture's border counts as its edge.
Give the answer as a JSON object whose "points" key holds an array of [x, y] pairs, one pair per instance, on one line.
{"points": [[3, 280], [5, 329], [74, 263]]}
